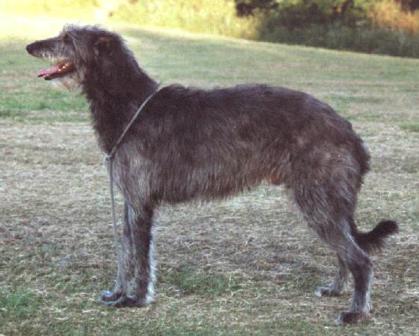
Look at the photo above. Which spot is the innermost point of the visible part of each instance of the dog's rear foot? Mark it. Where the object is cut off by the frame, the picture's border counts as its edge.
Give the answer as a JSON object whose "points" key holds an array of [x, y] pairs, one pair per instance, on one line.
{"points": [[327, 291], [121, 301], [352, 317]]}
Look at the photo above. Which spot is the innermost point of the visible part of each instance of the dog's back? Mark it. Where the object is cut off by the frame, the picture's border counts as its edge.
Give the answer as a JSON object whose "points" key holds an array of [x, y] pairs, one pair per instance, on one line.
{"points": [[234, 138]]}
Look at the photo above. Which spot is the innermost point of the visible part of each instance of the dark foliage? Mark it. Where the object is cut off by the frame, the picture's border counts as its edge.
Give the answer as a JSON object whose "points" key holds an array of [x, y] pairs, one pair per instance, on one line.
{"points": [[410, 5], [248, 7], [294, 14]]}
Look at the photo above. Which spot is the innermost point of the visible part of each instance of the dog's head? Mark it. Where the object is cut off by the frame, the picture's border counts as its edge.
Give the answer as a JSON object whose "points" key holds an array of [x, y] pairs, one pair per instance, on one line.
{"points": [[76, 53]]}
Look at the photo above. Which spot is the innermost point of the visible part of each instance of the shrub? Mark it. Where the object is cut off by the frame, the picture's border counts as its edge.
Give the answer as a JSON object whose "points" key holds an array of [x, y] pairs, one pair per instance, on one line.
{"points": [[360, 25], [389, 14]]}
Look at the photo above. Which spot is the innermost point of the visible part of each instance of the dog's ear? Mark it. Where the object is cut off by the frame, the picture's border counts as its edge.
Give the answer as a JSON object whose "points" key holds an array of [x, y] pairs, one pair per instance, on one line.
{"points": [[103, 45]]}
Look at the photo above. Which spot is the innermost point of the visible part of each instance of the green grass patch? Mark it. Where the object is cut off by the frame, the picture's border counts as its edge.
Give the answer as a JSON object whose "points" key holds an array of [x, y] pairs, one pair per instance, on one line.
{"points": [[18, 304], [410, 126], [191, 281]]}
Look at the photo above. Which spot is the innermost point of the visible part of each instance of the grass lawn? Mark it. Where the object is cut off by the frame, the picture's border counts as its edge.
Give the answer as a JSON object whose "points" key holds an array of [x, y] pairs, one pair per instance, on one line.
{"points": [[245, 266]]}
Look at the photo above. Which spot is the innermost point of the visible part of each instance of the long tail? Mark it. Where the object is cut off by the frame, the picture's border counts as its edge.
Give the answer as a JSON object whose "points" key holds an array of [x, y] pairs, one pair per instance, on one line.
{"points": [[374, 240]]}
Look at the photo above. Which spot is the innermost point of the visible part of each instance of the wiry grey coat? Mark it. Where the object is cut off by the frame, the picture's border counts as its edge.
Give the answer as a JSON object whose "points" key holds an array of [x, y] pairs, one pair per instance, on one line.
{"points": [[191, 143]]}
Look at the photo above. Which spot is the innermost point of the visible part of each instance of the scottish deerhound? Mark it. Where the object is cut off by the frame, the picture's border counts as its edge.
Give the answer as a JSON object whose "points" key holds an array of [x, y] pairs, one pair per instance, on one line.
{"points": [[190, 144]]}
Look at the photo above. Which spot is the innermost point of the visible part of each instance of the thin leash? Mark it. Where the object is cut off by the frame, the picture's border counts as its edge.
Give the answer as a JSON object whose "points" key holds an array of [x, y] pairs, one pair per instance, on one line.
{"points": [[109, 158]]}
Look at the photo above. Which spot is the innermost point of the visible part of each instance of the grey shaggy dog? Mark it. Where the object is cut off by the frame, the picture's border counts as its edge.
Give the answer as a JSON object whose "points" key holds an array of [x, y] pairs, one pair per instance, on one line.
{"points": [[190, 143]]}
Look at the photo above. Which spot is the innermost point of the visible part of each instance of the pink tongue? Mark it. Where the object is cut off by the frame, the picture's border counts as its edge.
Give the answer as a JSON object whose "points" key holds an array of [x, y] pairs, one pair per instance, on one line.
{"points": [[49, 71]]}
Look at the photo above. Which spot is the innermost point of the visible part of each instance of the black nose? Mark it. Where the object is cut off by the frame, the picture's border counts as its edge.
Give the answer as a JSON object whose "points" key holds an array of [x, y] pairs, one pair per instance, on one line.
{"points": [[30, 48]]}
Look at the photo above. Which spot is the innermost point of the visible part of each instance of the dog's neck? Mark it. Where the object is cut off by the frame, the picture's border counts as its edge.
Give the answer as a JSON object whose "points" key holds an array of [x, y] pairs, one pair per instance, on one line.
{"points": [[113, 102]]}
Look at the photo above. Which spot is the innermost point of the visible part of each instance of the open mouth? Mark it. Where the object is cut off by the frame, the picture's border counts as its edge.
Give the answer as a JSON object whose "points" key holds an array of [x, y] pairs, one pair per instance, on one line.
{"points": [[59, 69]]}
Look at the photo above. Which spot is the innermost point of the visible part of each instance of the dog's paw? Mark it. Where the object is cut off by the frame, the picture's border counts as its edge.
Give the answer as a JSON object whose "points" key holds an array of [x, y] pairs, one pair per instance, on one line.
{"points": [[327, 291], [109, 296], [352, 317], [125, 301]]}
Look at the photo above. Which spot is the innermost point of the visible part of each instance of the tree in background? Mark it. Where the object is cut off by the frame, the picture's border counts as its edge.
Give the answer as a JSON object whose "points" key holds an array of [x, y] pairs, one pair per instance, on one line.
{"points": [[410, 5], [297, 13], [249, 7]]}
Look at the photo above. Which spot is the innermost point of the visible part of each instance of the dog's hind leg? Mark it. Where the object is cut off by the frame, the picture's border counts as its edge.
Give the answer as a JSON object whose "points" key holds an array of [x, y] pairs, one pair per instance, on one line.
{"points": [[360, 266], [135, 280], [328, 209], [336, 287]]}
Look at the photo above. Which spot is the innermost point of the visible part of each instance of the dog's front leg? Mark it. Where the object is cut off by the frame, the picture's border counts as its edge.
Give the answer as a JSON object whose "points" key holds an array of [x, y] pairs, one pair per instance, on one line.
{"points": [[125, 264], [135, 280]]}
